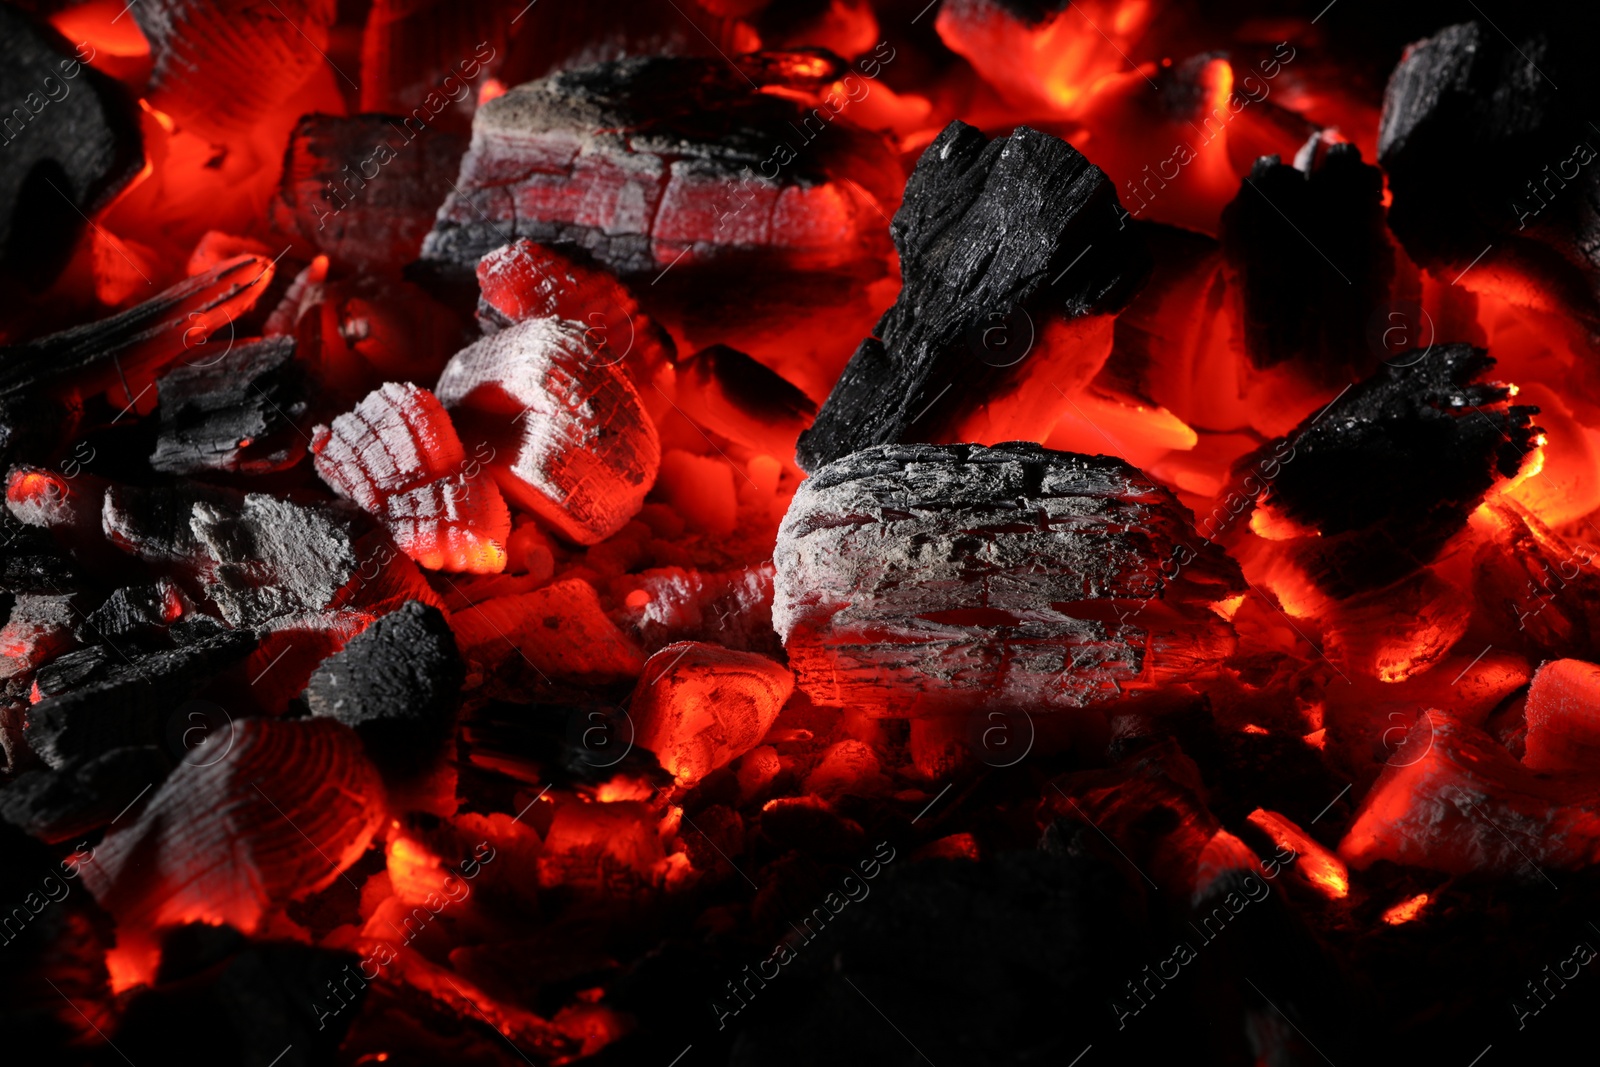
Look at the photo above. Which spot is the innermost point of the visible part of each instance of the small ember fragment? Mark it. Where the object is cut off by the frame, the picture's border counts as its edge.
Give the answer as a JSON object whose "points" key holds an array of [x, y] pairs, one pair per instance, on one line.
{"points": [[699, 707]]}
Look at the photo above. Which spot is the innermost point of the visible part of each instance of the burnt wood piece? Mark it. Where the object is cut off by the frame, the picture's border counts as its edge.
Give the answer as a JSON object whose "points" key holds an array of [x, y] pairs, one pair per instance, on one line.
{"points": [[363, 189], [914, 579], [273, 557], [123, 699], [29, 559], [60, 805], [1523, 211], [133, 616], [396, 683], [1311, 258], [69, 141], [233, 413], [153, 522], [1388, 472], [990, 231], [642, 161], [731, 393]]}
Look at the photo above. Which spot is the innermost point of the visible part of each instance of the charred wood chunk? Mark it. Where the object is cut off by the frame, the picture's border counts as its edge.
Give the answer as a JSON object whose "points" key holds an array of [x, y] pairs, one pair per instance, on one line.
{"points": [[916, 579], [236, 412], [729, 393], [124, 699], [1311, 260], [58, 805], [560, 632], [642, 161], [1520, 219], [1369, 489], [153, 523], [363, 189], [135, 615], [70, 140], [396, 683], [273, 557], [730, 608], [398, 457], [1534, 587], [563, 432], [1002, 243], [128, 348], [699, 707], [276, 816], [29, 559], [39, 628], [222, 65]]}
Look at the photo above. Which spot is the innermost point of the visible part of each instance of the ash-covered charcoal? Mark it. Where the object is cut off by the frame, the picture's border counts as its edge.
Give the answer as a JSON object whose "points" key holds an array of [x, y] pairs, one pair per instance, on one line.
{"points": [[273, 557], [1563, 717], [729, 393], [916, 579], [1005, 245], [39, 627], [728, 608], [559, 633], [70, 140], [58, 805], [397, 456], [363, 189], [238, 412], [699, 706], [397, 683], [1520, 219], [127, 349], [1311, 260], [153, 523], [122, 698], [220, 66], [1370, 488], [564, 432], [645, 160]]}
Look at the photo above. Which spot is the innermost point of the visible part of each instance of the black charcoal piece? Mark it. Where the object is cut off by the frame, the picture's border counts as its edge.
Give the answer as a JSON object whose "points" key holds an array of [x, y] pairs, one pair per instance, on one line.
{"points": [[273, 557], [1492, 168], [1390, 471], [128, 700], [59, 805], [69, 141], [397, 683], [133, 616], [153, 522], [236, 412], [30, 562], [1312, 262], [1021, 228]]}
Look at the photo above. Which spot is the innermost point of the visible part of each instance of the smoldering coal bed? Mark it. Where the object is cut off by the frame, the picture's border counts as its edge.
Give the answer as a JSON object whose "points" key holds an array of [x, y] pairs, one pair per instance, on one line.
{"points": [[766, 533]]}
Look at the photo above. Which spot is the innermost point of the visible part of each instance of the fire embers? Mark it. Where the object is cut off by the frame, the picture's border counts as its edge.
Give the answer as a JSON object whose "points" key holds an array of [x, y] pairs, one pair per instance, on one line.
{"points": [[914, 579], [699, 707], [566, 435], [1369, 489], [398, 456]]}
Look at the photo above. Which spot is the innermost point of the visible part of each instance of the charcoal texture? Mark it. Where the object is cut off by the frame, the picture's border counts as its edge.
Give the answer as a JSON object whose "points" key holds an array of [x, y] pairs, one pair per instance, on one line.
{"points": [[58, 805], [69, 141], [988, 231], [1391, 470], [273, 557], [396, 682], [135, 615], [236, 412], [1312, 260], [1492, 167]]}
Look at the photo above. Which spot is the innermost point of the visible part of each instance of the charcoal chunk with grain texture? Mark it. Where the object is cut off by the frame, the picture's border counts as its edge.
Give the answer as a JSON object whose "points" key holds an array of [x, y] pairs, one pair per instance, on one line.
{"points": [[922, 579], [236, 412], [396, 683], [69, 141], [1377, 482], [643, 161], [1017, 232], [1311, 260]]}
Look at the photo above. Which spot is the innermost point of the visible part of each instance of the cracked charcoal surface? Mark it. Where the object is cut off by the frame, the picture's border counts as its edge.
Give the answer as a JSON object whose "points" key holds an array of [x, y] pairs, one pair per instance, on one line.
{"points": [[987, 228], [234, 413], [273, 557]]}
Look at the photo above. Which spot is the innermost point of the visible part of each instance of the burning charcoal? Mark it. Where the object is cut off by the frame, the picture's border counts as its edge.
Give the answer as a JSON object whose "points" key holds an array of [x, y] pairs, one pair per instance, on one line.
{"points": [[560, 630], [1502, 225], [729, 393], [1563, 716], [363, 189], [1370, 488], [127, 349], [991, 235], [69, 508], [57, 805], [277, 817], [699, 707], [68, 126], [398, 457], [1534, 587], [128, 698], [1311, 261], [1464, 805], [396, 683], [566, 436], [273, 557], [40, 627], [925, 578], [642, 161], [220, 67], [603, 849], [1315, 864], [728, 608], [527, 281], [848, 766], [233, 413]]}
